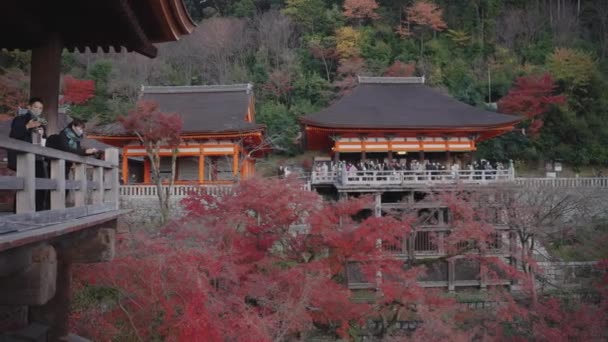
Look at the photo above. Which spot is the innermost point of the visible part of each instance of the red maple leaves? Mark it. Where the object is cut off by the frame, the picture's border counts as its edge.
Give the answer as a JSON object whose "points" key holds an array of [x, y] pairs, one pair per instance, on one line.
{"points": [[531, 96], [152, 125], [272, 262], [77, 91]]}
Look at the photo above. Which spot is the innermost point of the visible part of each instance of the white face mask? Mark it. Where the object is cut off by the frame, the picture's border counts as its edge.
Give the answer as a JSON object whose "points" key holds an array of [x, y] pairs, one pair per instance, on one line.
{"points": [[36, 112], [79, 131]]}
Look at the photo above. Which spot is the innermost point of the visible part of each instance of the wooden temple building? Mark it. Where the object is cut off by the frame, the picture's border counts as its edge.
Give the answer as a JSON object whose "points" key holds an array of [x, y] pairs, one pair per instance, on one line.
{"points": [[394, 120], [401, 117], [220, 138], [39, 248]]}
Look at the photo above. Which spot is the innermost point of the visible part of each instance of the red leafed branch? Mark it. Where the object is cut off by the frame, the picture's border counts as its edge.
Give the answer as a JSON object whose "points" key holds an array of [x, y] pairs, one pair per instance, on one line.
{"points": [[531, 96], [77, 91], [422, 13], [152, 125], [360, 9], [279, 84]]}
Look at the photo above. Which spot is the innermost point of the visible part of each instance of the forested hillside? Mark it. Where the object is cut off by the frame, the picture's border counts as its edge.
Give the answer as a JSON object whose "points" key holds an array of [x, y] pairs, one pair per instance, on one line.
{"points": [[302, 54]]}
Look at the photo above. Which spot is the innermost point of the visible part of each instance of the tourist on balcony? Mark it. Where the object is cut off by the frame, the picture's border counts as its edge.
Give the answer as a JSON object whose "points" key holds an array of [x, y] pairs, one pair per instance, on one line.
{"points": [[69, 140], [29, 127]]}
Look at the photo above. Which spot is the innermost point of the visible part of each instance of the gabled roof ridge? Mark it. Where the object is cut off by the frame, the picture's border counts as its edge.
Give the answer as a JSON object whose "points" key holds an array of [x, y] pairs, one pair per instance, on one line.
{"points": [[390, 80], [220, 88]]}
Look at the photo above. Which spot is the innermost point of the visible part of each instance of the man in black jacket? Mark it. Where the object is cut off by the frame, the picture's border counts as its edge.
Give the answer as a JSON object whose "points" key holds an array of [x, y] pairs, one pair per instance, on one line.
{"points": [[24, 127]]}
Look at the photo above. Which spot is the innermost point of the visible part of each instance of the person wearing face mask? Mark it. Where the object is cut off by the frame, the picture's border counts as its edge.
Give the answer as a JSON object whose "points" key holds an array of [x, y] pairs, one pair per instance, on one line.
{"points": [[69, 139], [29, 127]]}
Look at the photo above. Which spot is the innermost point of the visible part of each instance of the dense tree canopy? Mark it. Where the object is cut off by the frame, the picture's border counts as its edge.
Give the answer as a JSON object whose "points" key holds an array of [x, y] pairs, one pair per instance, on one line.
{"points": [[302, 54]]}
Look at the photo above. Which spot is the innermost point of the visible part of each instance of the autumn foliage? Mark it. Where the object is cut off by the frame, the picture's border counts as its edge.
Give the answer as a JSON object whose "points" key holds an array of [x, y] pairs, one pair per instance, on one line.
{"points": [[400, 69], [12, 92], [77, 91], [271, 262], [422, 13], [531, 96], [360, 9], [156, 130]]}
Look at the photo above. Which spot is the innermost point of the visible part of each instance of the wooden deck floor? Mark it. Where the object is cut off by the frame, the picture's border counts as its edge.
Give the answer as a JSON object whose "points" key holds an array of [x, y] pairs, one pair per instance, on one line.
{"points": [[22, 233]]}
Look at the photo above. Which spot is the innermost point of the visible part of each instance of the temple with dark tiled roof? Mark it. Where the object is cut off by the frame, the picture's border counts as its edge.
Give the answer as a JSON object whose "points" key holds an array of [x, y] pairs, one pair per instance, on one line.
{"points": [[386, 115], [220, 138]]}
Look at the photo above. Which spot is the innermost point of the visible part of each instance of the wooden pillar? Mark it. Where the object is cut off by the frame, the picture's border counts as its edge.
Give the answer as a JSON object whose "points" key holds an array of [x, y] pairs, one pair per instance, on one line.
{"points": [[336, 156], [451, 275], [235, 161], [363, 155], [390, 156], [421, 156], [201, 168], [147, 171], [45, 74], [378, 204]]}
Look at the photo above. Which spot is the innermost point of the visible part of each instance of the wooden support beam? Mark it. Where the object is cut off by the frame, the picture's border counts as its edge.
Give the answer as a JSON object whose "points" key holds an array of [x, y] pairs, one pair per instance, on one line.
{"points": [[201, 169], [94, 246], [34, 285], [14, 260], [45, 74], [11, 183], [58, 174]]}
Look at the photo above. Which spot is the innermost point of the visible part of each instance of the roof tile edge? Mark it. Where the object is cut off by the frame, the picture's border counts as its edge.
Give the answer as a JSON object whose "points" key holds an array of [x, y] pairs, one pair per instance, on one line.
{"points": [[391, 80], [245, 87]]}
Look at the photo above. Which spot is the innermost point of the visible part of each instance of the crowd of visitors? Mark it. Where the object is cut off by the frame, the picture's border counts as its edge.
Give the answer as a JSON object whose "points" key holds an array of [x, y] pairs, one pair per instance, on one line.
{"points": [[404, 165], [426, 169]]}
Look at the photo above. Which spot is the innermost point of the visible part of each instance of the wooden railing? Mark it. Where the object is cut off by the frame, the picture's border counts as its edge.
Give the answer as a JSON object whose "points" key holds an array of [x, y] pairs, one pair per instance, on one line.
{"points": [[579, 182], [91, 197], [407, 177], [177, 191]]}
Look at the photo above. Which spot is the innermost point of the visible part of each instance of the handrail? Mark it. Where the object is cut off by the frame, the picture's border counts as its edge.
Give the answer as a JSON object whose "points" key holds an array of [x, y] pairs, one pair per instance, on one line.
{"points": [[397, 177], [91, 196], [595, 182], [51, 153], [129, 191]]}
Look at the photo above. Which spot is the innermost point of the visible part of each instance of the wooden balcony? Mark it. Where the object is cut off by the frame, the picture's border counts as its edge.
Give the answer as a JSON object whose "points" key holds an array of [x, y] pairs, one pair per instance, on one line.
{"points": [[38, 248], [95, 198], [406, 178]]}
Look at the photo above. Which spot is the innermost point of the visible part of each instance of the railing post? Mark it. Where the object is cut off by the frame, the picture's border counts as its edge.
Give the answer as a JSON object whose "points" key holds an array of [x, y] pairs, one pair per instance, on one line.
{"points": [[111, 178], [58, 174], [98, 178], [26, 169], [80, 195]]}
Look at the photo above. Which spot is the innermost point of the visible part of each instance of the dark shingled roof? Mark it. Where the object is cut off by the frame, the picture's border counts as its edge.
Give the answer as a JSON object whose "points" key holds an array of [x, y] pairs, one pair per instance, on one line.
{"points": [[204, 109], [402, 102]]}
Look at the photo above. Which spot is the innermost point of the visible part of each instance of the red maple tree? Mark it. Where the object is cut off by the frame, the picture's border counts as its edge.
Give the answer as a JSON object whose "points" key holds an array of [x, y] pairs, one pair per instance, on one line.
{"points": [[531, 96], [77, 91], [12, 92], [156, 131], [400, 69], [279, 84], [360, 9], [422, 13], [272, 261]]}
